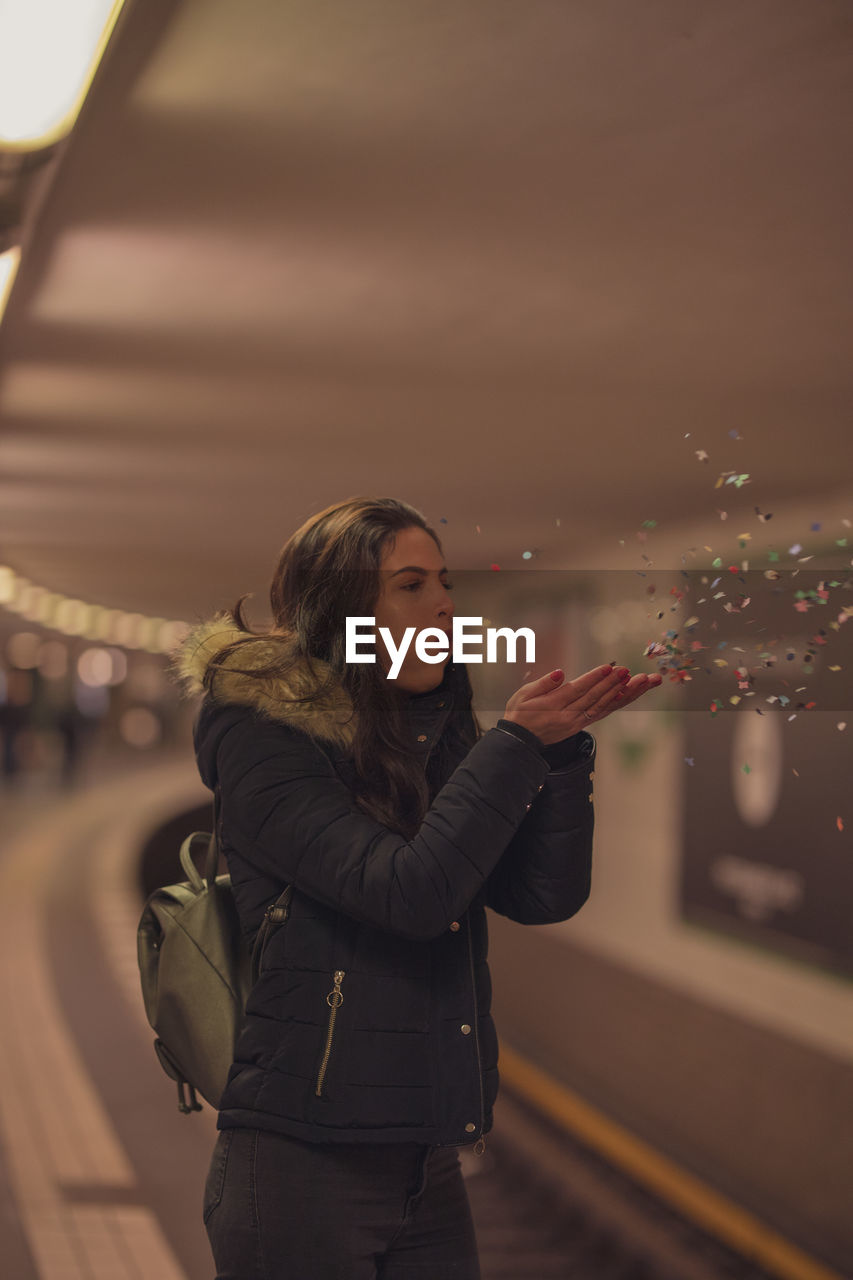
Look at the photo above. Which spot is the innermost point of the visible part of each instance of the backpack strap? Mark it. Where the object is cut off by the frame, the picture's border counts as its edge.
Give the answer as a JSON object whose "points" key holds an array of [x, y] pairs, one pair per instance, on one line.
{"points": [[276, 913], [211, 862]]}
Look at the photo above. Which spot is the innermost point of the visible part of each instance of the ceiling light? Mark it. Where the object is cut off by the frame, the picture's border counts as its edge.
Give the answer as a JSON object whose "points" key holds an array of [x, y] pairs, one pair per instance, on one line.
{"points": [[8, 270], [49, 52]]}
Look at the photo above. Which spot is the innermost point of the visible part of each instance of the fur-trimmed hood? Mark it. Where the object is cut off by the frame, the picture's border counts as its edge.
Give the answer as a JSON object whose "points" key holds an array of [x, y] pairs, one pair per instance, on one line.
{"points": [[330, 720]]}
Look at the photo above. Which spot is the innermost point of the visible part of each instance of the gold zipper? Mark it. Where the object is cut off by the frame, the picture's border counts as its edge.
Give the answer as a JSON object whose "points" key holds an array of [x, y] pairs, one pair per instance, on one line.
{"points": [[334, 1000]]}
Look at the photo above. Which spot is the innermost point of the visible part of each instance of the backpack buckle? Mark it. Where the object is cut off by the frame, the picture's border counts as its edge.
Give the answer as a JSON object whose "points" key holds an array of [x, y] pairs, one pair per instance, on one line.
{"points": [[193, 1104]]}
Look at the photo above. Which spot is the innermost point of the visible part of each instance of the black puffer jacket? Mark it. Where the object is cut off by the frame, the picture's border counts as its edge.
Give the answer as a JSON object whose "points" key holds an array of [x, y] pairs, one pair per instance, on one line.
{"points": [[370, 1021]]}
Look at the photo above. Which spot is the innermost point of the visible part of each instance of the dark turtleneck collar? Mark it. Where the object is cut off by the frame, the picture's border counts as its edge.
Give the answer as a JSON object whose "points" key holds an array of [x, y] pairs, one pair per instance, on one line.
{"points": [[442, 689]]}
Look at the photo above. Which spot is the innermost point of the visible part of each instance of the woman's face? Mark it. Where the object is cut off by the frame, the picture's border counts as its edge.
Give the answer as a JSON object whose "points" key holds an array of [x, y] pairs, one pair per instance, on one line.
{"points": [[413, 599]]}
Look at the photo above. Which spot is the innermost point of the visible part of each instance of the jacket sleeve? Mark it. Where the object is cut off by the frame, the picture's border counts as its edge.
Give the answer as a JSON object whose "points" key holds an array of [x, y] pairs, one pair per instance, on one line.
{"points": [[544, 874], [290, 816]]}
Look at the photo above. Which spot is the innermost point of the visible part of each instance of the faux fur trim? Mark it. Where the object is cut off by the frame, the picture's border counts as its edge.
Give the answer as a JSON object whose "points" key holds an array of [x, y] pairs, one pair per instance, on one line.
{"points": [[329, 719]]}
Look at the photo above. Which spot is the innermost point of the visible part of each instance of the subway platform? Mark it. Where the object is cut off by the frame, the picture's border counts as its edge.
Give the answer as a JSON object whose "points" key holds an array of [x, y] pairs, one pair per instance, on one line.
{"points": [[101, 1178]]}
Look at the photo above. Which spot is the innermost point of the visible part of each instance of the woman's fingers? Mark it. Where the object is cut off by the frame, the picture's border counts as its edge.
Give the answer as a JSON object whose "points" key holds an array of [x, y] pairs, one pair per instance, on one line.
{"points": [[636, 687], [590, 680], [596, 693], [623, 694]]}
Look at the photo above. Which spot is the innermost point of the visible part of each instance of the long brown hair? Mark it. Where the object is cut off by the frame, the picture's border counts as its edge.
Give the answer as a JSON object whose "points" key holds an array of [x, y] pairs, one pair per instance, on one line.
{"points": [[314, 589]]}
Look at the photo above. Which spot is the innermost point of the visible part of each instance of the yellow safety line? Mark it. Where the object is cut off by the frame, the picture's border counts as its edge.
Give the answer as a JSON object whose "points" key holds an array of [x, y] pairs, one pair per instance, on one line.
{"points": [[711, 1210]]}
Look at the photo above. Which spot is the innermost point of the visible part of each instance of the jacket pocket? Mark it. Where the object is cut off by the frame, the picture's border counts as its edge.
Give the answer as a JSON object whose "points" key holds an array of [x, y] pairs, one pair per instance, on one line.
{"points": [[334, 1000]]}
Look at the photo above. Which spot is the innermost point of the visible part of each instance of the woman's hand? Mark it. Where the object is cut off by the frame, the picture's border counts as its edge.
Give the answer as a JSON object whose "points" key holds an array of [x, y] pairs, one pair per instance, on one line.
{"points": [[554, 710]]}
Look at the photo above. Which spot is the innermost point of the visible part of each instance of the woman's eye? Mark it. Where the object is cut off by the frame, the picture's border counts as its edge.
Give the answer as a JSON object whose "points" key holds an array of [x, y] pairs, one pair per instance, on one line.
{"points": [[413, 586]]}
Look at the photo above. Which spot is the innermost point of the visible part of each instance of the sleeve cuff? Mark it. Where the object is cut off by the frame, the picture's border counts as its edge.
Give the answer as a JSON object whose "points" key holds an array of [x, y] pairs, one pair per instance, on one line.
{"points": [[557, 755], [523, 735]]}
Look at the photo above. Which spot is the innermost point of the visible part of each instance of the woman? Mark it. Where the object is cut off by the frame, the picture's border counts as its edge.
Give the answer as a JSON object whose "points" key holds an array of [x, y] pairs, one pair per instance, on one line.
{"points": [[368, 1054]]}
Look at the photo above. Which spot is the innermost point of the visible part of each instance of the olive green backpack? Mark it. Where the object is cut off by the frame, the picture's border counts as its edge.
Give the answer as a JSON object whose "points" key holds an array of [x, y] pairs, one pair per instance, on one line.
{"points": [[197, 970]]}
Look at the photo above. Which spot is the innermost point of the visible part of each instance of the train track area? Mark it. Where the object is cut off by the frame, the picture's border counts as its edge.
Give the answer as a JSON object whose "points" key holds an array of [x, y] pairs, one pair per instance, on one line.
{"points": [[545, 1206]]}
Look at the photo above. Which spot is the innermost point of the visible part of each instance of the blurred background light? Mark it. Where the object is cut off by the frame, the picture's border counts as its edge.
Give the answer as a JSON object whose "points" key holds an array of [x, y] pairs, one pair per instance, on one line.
{"points": [[53, 659], [8, 268], [95, 667], [140, 727], [49, 52]]}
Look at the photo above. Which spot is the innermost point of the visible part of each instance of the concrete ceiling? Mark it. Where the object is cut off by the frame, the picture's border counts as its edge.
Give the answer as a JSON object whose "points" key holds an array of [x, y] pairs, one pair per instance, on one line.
{"points": [[496, 257]]}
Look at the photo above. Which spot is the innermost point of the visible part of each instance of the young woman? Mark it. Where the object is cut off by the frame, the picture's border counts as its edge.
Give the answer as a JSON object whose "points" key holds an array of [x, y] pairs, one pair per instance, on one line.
{"points": [[368, 1054]]}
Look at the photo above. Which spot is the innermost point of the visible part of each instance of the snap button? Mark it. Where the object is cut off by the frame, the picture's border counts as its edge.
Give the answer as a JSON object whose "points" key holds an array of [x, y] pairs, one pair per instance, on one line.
{"points": [[441, 704], [541, 785], [465, 1029], [455, 926], [527, 806], [421, 737], [469, 1128]]}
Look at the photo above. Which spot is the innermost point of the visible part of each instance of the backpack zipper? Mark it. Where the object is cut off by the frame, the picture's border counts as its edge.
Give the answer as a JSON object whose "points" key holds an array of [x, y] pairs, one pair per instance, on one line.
{"points": [[334, 1000]]}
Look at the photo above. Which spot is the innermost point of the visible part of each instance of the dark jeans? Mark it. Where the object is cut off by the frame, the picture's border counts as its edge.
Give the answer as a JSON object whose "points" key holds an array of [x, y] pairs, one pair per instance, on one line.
{"points": [[278, 1208]]}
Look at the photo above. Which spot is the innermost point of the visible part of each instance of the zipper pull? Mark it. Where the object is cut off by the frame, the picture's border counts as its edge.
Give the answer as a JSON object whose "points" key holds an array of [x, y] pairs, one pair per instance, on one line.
{"points": [[480, 1146], [336, 996]]}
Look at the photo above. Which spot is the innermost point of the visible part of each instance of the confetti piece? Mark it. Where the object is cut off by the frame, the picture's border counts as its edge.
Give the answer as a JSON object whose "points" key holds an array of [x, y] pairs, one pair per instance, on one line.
{"points": [[796, 775], [795, 549], [701, 455], [689, 760], [735, 434], [839, 824], [745, 768], [495, 567], [842, 724]]}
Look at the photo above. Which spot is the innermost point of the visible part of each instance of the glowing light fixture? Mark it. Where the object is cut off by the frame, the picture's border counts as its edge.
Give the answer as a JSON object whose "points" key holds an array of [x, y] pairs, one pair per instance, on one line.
{"points": [[49, 53], [8, 270]]}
